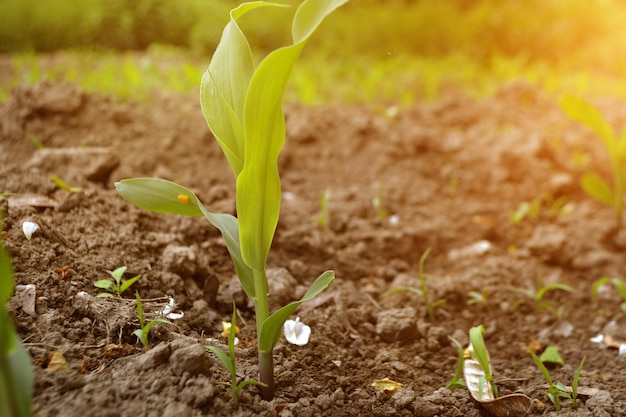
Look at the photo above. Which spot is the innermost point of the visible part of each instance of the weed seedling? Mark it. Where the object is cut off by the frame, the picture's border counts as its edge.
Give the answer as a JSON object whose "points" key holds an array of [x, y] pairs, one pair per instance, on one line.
{"points": [[481, 298], [537, 296], [322, 219], [58, 181], [619, 284], [482, 356], [592, 183], [144, 328], [242, 104], [423, 292], [229, 360], [558, 390], [115, 287]]}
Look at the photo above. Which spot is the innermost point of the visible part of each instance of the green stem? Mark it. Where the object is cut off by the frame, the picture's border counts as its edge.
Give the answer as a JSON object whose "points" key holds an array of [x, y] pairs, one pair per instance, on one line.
{"points": [[262, 311]]}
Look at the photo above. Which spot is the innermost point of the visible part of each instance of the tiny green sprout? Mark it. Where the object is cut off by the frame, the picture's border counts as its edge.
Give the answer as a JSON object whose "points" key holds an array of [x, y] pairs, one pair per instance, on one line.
{"points": [[558, 390], [242, 105], [456, 381], [551, 355], [619, 284], [63, 185], [482, 355], [229, 359], [144, 328], [378, 204], [481, 298], [322, 219], [35, 141], [525, 211], [592, 183], [423, 292], [115, 287], [537, 296]]}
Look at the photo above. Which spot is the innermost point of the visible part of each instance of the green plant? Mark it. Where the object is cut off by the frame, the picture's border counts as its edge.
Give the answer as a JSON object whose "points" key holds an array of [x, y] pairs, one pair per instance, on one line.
{"points": [[144, 328], [555, 208], [619, 284], [481, 297], [322, 219], [482, 356], [379, 205], [537, 296], [558, 390], [423, 291], [242, 105], [229, 359], [58, 181], [456, 381], [16, 372], [116, 286], [592, 183]]}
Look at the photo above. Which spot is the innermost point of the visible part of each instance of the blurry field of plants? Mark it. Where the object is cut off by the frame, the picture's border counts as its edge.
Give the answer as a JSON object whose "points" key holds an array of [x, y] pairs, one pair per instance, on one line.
{"points": [[389, 52]]}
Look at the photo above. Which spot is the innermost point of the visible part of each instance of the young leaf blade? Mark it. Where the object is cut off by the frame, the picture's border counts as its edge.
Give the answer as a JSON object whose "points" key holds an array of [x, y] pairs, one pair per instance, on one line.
{"points": [[596, 187], [258, 185], [587, 114], [271, 327]]}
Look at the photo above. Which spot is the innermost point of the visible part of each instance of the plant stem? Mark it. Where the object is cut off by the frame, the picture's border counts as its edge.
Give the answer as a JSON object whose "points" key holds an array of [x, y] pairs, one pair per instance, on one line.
{"points": [[262, 311]]}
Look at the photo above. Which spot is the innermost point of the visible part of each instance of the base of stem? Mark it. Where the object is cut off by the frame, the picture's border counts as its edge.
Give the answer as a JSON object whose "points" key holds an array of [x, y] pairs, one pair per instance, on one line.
{"points": [[266, 375]]}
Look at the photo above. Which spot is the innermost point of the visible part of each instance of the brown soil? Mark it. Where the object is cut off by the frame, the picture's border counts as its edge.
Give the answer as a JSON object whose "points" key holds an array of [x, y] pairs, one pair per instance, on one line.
{"points": [[450, 171]]}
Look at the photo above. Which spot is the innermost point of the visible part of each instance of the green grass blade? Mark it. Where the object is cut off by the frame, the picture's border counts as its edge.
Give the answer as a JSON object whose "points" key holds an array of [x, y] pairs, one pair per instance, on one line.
{"points": [[271, 328], [553, 287], [597, 188], [126, 284], [596, 287]]}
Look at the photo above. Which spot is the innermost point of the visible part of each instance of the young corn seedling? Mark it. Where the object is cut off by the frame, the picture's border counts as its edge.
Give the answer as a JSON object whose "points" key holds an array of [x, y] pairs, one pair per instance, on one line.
{"points": [[144, 328], [619, 284], [423, 291], [592, 183], [115, 287], [229, 359], [242, 104], [558, 390]]}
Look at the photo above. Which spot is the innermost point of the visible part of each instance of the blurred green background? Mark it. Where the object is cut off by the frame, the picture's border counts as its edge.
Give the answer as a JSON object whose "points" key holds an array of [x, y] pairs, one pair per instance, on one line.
{"points": [[385, 51]]}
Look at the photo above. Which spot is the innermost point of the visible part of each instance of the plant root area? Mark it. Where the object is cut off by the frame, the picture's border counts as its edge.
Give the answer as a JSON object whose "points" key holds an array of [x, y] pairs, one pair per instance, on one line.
{"points": [[447, 175]]}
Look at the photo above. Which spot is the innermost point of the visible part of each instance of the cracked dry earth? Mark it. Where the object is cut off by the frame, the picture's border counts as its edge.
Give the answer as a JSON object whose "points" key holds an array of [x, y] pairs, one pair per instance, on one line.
{"points": [[448, 174]]}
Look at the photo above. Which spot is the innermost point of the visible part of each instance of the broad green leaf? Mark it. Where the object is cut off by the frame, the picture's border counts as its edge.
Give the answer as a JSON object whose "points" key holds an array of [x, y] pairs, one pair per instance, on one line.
{"points": [[224, 86], [272, 326], [163, 196], [597, 188], [258, 184], [118, 273], [159, 196], [587, 114], [19, 372], [105, 284]]}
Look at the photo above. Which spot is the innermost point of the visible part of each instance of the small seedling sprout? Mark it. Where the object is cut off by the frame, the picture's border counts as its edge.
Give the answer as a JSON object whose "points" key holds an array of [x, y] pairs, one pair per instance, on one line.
{"points": [[229, 359], [379, 206], [423, 292], [322, 219], [482, 355], [144, 328], [63, 185], [619, 284], [457, 382], [115, 287], [242, 104], [537, 296], [558, 390], [16, 369], [592, 183]]}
